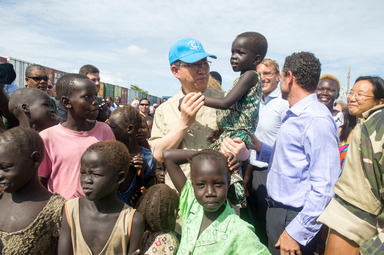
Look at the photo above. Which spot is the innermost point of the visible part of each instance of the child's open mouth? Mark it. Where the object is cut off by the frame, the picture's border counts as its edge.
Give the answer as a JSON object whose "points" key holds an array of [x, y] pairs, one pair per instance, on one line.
{"points": [[87, 190]]}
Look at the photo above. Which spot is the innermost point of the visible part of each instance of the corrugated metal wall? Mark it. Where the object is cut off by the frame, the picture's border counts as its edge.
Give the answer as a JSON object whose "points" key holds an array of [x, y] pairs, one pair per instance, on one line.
{"points": [[106, 89]]}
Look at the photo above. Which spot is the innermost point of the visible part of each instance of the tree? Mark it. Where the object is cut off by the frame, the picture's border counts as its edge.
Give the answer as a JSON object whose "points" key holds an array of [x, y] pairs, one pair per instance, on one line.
{"points": [[134, 87]]}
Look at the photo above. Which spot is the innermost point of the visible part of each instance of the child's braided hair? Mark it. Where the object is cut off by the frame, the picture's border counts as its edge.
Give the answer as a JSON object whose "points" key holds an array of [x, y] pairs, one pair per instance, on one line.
{"points": [[159, 206]]}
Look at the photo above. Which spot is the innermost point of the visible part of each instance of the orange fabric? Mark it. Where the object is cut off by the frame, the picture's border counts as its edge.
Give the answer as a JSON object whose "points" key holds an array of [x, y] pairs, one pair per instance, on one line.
{"points": [[66, 214], [130, 224]]}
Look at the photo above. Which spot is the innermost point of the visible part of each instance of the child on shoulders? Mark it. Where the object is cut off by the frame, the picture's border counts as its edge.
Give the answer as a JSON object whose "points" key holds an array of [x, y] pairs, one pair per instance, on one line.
{"points": [[239, 112], [209, 224], [100, 223], [30, 218], [66, 142]]}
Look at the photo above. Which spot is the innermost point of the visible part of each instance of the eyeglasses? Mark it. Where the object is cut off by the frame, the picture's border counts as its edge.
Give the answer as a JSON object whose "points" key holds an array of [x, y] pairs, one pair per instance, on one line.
{"points": [[38, 78], [144, 104], [267, 74], [358, 96], [195, 66]]}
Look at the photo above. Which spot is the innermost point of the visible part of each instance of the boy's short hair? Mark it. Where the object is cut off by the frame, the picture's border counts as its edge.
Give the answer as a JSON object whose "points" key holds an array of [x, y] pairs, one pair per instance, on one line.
{"points": [[115, 152], [130, 115], [24, 96], [26, 140], [269, 62], [305, 67], [86, 69], [66, 84], [32, 67], [211, 154], [158, 206], [258, 42]]}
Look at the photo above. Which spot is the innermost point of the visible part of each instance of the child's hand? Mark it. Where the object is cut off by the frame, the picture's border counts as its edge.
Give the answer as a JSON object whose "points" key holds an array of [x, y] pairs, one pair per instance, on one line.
{"points": [[214, 136], [233, 164], [22, 117], [138, 162], [135, 197]]}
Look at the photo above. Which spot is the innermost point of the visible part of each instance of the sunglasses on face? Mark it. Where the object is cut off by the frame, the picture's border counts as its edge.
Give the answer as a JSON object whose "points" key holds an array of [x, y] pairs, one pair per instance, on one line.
{"points": [[144, 104], [38, 78]]}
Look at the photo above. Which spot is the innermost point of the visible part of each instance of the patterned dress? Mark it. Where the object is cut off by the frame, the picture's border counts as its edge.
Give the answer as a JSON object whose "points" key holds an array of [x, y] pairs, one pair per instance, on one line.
{"points": [[160, 243], [41, 236], [241, 119]]}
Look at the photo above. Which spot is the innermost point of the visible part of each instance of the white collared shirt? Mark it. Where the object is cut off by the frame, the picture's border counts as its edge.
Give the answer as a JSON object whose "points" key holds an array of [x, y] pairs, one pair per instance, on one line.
{"points": [[272, 111]]}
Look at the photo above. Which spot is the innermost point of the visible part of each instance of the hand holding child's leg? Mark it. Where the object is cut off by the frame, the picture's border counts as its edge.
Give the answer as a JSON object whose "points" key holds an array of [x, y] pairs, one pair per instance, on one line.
{"points": [[235, 146]]}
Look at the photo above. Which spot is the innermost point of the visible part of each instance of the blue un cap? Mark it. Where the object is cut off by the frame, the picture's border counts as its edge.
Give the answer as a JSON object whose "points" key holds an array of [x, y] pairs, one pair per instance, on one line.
{"points": [[188, 50]]}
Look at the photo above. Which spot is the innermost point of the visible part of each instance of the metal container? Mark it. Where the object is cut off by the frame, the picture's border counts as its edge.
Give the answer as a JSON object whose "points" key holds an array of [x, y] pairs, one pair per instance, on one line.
{"points": [[20, 66], [124, 95]]}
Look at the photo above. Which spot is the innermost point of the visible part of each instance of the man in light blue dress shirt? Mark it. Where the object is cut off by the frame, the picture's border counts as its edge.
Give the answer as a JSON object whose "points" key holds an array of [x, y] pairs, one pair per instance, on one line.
{"points": [[271, 113], [304, 162]]}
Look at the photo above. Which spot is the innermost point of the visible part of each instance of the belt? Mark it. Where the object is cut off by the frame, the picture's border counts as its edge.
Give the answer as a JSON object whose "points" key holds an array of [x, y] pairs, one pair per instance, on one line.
{"points": [[274, 204], [256, 168]]}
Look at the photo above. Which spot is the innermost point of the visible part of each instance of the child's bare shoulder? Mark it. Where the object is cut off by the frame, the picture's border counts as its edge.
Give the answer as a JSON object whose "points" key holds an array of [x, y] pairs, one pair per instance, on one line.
{"points": [[250, 74], [249, 77], [138, 218]]}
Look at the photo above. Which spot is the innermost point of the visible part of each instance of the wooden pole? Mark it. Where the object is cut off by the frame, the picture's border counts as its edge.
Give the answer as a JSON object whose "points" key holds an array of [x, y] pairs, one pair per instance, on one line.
{"points": [[348, 78], [342, 92]]}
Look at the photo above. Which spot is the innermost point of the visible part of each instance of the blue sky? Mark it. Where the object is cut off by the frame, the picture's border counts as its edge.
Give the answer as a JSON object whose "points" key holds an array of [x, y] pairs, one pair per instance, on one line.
{"points": [[129, 40]]}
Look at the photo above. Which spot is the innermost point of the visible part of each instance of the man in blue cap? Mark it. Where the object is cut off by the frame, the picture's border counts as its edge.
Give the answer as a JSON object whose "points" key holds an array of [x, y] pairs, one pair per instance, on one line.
{"points": [[189, 127]]}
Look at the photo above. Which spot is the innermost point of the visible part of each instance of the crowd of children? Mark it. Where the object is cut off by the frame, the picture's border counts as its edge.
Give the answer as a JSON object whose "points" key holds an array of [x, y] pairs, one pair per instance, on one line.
{"points": [[72, 187]]}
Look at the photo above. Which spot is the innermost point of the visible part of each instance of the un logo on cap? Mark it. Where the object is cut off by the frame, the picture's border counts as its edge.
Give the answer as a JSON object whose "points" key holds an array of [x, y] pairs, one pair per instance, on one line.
{"points": [[194, 45]]}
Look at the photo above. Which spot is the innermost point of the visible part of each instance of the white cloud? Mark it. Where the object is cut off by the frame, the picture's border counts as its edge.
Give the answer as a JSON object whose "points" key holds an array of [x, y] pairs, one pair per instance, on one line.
{"points": [[129, 40], [134, 50]]}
